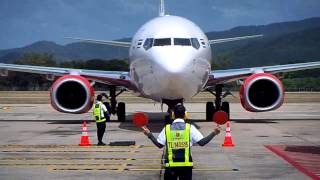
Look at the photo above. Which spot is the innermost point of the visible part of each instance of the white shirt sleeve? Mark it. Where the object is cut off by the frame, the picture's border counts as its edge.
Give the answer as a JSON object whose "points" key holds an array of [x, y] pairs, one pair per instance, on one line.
{"points": [[162, 137], [104, 108], [195, 134]]}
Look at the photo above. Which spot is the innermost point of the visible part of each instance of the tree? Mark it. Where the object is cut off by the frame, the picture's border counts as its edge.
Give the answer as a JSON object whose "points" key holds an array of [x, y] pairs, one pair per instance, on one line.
{"points": [[37, 59], [222, 61], [28, 81]]}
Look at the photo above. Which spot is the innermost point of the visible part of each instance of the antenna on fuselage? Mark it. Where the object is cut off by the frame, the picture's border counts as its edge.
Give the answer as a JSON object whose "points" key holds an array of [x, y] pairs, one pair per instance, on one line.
{"points": [[161, 8]]}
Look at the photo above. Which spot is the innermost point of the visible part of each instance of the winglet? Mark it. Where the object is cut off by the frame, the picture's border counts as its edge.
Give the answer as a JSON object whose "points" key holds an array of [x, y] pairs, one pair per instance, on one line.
{"points": [[162, 8]]}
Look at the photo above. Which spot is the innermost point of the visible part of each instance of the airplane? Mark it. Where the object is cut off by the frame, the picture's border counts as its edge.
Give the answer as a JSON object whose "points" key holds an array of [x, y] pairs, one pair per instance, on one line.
{"points": [[169, 60]]}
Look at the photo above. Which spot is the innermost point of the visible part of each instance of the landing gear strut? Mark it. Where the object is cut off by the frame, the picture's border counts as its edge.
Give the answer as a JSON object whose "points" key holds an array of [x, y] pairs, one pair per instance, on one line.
{"points": [[120, 110], [218, 105], [172, 103]]}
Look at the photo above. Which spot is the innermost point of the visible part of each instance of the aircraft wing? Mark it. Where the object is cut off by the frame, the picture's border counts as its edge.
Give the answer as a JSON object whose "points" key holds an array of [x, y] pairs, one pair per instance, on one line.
{"points": [[110, 43], [218, 41], [118, 78], [223, 76]]}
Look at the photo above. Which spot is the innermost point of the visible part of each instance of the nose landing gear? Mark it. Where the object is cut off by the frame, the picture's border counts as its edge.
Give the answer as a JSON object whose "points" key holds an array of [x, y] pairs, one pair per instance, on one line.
{"points": [[217, 105]]}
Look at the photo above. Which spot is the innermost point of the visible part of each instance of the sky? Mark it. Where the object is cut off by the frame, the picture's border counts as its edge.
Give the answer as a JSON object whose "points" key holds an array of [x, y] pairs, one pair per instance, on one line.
{"points": [[23, 22]]}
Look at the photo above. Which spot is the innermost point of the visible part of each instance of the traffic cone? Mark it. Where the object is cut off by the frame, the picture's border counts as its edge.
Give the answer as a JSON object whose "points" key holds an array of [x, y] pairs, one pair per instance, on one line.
{"points": [[228, 138], [84, 138]]}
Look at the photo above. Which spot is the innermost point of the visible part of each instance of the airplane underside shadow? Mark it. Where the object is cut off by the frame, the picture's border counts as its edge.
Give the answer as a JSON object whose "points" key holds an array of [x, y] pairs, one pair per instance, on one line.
{"points": [[157, 121], [155, 124], [255, 121]]}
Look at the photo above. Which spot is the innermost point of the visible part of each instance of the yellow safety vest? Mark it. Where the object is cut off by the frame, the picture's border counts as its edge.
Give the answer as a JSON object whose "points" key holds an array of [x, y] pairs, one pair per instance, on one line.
{"points": [[97, 113], [178, 147]]}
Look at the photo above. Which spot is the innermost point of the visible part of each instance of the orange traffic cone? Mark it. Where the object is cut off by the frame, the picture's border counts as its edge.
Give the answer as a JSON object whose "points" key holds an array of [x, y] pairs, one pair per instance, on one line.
{"points": [[228, 138], [84, 138]]}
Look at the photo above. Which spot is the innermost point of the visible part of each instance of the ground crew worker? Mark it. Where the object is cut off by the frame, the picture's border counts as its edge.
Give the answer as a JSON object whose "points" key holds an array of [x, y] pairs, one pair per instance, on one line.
{"points": [[100, 114], [178, 138], [107, 103]]}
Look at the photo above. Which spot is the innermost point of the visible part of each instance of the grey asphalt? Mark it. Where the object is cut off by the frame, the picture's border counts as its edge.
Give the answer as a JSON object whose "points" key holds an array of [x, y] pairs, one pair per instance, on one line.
{"points": [[39, 143]]}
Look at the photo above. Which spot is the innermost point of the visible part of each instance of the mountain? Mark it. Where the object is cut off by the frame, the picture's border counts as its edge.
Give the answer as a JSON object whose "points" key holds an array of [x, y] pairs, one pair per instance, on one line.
{"points": [[302, 46], [40, 47], [73, 51], [275, 29], [282, 43]]}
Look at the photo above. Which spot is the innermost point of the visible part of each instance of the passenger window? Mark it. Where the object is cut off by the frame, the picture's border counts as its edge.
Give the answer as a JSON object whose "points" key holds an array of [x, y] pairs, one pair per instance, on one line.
{"points": [[148, 43], [162, 42], [195, 43], [182, 42]]}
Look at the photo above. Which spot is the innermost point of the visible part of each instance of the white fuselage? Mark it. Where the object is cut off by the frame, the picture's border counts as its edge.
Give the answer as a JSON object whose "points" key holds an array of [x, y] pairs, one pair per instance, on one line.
{"points": [[169, 59]]}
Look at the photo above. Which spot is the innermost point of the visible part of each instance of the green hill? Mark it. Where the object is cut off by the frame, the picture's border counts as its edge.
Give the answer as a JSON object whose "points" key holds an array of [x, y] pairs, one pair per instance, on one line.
{"points": [[302, 46]]}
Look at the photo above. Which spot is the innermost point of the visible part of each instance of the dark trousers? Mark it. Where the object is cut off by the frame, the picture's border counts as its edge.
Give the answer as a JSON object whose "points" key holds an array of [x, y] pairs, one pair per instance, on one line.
{"points": [[101, 128], [183, 173]]}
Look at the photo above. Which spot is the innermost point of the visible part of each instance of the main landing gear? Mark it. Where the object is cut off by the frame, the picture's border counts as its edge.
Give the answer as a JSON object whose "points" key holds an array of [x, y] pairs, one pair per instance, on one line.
{"points": [[217, 105], [116, 108]]}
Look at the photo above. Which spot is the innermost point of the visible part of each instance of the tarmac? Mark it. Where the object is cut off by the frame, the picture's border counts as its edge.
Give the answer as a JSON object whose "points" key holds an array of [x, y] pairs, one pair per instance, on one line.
{"points": [[39, 143]]}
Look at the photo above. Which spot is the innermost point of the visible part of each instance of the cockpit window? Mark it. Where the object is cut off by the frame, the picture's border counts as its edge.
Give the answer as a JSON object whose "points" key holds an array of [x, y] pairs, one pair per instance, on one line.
{"points": [[195, 43], [162, 42], [148, 43], [182, 42]]}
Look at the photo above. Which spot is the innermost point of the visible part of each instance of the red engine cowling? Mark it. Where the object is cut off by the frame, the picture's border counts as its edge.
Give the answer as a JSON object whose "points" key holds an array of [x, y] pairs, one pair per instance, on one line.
{"points": [[261, 92], [72, 94]]}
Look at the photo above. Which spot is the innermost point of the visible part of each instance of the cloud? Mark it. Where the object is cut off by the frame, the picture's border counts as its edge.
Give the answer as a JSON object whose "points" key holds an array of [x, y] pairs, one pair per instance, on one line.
{"points": [[136, 6], [232, 12]]}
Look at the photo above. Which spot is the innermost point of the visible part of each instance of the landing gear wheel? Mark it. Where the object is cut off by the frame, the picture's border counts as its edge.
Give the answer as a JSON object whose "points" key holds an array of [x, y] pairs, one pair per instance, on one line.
{"points": [[121, 112], [226, 108], [210, 110]]}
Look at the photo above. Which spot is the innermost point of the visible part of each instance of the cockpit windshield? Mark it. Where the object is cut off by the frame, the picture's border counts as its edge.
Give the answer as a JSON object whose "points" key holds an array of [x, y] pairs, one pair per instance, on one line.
{"points": [[150, 42], [182, 42], [162, 42], [195, 43]]}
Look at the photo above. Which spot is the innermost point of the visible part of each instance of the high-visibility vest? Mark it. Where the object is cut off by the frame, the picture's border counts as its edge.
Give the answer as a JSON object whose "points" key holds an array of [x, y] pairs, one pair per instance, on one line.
{"points": [[178, 147], [97, 113]]}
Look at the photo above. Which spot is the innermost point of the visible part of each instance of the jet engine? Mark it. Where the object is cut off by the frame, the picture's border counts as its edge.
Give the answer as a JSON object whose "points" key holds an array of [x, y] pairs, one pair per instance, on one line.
{"points": [[72, 94], [261, 92]]}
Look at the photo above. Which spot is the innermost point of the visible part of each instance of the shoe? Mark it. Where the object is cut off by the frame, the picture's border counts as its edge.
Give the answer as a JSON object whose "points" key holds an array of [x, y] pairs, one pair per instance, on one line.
{"points": [[101, 144]]}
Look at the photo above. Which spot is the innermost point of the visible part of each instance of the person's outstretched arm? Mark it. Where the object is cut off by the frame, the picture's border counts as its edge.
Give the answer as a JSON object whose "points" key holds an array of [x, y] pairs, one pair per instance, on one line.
{"points": [[154, 140], [207, 139], [147, 132]]}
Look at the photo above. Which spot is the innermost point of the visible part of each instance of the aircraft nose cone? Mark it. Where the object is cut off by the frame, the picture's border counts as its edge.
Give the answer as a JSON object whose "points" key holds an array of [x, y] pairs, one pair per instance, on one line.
{"points": [[173, 60], [180, 76]]}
